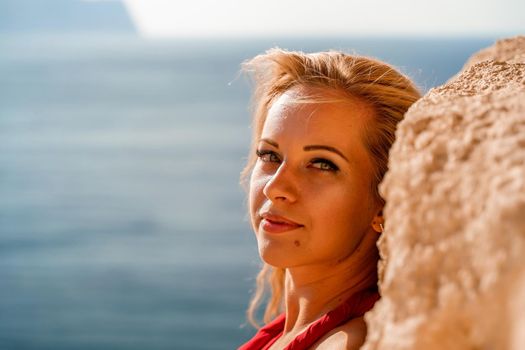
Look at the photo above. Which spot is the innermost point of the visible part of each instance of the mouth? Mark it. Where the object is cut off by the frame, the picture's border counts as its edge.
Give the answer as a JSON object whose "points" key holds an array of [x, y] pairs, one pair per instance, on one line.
{"points": [[273, 223]]}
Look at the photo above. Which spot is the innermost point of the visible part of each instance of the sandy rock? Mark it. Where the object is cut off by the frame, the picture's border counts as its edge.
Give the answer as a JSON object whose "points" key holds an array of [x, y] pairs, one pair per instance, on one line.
{"points": [[453, 269], [511, 50]]}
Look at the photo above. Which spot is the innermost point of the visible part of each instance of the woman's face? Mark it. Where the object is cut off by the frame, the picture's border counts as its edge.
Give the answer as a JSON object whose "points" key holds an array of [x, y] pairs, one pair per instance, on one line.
{"points": [[310, 199]]}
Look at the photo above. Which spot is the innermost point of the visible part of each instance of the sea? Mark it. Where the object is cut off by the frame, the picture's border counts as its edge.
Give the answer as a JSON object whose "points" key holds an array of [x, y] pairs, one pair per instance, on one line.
{"points": [[122, 222]]}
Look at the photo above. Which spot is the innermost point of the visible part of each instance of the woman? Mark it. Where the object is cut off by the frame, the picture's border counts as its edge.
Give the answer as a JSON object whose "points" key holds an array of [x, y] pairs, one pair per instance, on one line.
{"points": [[322, 129]]}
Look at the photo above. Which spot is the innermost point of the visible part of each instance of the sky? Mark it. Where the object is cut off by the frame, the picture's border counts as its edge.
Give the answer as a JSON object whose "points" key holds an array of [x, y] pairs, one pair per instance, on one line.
{"points": [[253, 18]]}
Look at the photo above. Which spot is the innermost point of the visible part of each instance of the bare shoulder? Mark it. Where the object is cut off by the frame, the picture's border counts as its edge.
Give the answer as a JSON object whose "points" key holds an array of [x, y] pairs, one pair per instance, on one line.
{"points": [[349, 336]]}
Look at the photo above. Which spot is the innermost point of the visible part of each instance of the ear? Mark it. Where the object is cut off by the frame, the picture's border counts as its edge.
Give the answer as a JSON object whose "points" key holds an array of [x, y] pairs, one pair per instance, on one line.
{"points": [[378, 221]]}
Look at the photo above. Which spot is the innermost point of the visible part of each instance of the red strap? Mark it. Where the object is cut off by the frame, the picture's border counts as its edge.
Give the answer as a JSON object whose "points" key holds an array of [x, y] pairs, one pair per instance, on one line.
{"points": [[265, 335], [354, 307]]}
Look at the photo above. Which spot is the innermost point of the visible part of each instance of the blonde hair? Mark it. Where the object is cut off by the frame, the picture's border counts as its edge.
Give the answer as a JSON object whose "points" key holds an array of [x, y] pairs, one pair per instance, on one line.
{"points": [[383, 88]]}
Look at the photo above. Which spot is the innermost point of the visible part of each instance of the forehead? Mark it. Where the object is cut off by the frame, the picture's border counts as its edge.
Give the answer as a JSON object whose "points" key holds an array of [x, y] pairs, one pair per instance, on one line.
{"points": [[326, 118]]}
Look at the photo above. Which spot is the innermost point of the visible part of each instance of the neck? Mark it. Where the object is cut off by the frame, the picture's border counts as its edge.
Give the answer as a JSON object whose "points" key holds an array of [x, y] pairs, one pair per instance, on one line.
{"points": [[313, 290]]}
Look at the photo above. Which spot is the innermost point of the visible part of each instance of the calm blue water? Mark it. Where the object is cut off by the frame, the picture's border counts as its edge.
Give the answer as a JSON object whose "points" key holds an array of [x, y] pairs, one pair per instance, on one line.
{"points": [[122, 224]]}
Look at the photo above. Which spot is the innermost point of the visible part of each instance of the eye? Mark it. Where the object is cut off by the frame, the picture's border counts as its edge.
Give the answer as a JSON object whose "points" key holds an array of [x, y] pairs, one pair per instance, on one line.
{"points": [[267, 156], [324, 164]]}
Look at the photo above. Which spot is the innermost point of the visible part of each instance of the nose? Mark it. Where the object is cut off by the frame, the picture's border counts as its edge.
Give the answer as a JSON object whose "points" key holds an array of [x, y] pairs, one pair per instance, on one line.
{"points": [[281, 186]]}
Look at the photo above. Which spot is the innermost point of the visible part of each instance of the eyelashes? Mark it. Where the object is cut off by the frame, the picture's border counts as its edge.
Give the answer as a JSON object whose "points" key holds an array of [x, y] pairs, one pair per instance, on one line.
{"points": [[324, 164], [321, 164], [267, 156]]}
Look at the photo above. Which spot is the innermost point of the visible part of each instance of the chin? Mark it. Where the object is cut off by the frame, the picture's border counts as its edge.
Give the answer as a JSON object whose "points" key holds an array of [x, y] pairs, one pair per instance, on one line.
{"points": [[273, 256]]}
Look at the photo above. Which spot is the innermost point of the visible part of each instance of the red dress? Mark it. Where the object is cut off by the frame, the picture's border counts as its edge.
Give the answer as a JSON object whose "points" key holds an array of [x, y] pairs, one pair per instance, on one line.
{"points": [[355, 306]]}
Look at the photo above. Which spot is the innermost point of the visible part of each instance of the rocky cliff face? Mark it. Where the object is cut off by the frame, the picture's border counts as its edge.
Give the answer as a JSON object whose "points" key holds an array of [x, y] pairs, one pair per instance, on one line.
{"points": [[453, 269]]}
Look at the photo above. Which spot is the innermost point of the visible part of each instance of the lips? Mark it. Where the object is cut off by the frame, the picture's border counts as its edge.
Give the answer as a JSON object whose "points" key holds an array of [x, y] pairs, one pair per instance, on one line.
{"points": [[274, 223]]}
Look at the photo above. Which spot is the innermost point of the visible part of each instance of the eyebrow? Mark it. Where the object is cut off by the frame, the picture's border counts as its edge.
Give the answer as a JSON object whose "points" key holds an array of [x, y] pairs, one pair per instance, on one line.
{"points": [[311, 148]]}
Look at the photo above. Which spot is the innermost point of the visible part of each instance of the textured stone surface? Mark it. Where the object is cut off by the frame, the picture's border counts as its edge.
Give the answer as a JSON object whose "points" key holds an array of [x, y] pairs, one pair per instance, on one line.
{"points": [[453, 269], [511, 50]]}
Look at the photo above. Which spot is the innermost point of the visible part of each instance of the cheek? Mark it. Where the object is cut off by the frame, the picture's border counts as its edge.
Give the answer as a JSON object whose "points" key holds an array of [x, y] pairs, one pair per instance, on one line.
{"points": [[255, 195], [342, 210]]}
